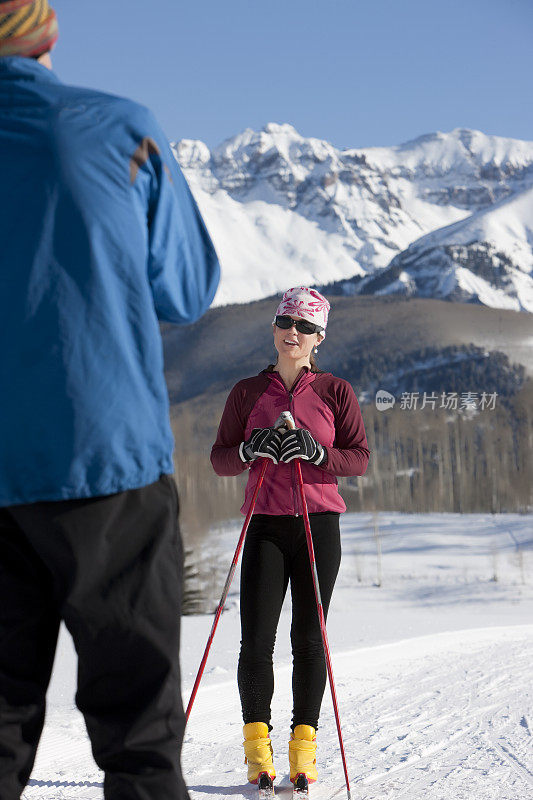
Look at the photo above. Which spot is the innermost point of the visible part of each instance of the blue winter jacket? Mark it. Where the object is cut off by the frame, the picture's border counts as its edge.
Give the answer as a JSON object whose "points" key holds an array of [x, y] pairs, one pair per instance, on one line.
{"points": [[100, 238]]}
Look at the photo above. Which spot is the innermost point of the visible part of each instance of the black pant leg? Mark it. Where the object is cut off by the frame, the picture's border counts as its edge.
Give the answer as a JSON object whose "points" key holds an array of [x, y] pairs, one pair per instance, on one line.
{"points": [[118, 562], [264, 579], [29, 624], [125, 623], [309, 665]]}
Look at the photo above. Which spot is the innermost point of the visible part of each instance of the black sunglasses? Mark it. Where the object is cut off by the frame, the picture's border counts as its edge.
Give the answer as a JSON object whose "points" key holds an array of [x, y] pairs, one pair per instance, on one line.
{"points": [[302, 325]]}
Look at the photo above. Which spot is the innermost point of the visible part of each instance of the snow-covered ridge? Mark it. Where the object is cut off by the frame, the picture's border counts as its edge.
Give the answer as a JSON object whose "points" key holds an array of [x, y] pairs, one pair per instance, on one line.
{"points": [[285, 209], [487, 257]]}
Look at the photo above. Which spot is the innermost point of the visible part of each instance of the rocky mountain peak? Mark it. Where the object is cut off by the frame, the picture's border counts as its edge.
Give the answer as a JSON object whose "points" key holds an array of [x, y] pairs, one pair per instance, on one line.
{"points": [[322, 214]]}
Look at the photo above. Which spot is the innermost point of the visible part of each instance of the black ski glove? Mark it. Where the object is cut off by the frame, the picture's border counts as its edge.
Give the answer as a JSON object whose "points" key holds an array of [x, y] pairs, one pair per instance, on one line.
{"points": [[263, 443], [299, 443]]}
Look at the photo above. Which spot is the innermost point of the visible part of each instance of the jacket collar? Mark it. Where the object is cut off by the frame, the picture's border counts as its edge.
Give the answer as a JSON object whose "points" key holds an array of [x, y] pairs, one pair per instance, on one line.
{"points": [[305, 377], [21, 67]]}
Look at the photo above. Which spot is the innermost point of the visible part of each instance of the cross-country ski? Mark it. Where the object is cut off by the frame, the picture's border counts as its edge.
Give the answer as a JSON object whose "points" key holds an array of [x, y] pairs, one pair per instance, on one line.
{"points": [[301, 787], [265, 786]]}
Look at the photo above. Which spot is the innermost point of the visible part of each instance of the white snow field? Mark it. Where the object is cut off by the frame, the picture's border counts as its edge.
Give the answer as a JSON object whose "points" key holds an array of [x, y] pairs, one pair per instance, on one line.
{"points": [[433, 673]]}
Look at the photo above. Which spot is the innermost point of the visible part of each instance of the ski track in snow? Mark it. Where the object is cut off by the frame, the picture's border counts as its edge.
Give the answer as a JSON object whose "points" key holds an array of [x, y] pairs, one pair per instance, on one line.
{"points": [[440, 716], [443, 716], [462, 733]]}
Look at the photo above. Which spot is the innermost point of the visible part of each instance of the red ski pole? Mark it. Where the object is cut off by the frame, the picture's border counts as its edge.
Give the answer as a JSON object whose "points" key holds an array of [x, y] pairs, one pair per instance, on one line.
{"points": [[289, 423], [322, 620], [229, 579]]}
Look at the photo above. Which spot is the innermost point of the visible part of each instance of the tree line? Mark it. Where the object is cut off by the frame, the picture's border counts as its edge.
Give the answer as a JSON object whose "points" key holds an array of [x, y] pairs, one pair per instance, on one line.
{"points": [[422, 460]]}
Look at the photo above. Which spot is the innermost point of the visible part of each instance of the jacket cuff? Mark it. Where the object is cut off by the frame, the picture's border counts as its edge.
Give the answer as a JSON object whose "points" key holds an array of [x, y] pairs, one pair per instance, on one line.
{"points": [[241, 453], [323, 462]]}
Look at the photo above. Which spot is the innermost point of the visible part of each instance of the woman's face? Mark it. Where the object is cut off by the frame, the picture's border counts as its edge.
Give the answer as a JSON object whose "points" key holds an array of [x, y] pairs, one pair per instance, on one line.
{"points": [[293, 345]]}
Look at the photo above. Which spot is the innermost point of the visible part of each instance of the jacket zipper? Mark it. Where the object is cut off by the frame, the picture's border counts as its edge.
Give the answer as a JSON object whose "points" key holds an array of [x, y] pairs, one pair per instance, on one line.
{"points": [[293, 467], [296, 502]]}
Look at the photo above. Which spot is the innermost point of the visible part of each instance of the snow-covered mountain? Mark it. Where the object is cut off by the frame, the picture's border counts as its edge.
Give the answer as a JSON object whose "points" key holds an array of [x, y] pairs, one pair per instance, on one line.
{"points": [[485, 258], [284, 209]]}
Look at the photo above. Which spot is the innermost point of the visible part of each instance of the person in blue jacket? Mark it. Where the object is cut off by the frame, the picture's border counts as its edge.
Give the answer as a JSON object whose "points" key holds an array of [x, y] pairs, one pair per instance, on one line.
{"points": [[100, 239]]}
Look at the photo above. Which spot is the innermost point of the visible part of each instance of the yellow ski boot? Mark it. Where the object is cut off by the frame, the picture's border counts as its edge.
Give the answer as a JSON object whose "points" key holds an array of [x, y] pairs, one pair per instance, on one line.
{"points": [[258, 750], [302, 753]]}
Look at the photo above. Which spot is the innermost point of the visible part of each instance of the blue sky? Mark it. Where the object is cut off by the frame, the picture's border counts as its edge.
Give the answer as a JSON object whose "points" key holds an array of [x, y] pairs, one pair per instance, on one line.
{"points": [[354, 72]]}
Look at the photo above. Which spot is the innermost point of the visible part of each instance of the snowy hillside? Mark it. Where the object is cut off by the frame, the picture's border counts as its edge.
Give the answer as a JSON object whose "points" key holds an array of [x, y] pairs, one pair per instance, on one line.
{"points": [[432, 668], [486, 258], [284, 209]]}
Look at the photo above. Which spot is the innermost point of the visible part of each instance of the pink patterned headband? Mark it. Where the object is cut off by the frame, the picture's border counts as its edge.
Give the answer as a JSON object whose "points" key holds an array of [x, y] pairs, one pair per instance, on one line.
{"points": [[305, 303]]}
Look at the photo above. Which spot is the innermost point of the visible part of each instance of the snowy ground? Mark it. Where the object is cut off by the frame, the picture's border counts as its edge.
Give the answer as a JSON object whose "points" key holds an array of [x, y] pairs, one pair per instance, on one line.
{"points": [[432, 668]]}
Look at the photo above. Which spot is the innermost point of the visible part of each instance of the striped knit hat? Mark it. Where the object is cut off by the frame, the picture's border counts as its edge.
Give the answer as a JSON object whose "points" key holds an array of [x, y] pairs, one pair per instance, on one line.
{"points": [[27, 27]]}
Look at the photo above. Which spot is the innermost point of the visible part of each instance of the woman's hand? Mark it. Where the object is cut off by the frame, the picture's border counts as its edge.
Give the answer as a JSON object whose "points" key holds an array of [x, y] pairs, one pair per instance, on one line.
{"points": [[263, 443], [299, 443]]}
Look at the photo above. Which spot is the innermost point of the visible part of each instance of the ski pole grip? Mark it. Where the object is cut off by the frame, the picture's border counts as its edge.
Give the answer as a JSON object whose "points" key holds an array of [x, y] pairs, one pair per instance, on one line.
{"points": [[285, 420]]}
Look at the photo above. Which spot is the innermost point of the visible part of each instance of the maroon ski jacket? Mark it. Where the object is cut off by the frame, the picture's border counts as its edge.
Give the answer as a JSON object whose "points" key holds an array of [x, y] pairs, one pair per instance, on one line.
{"points": [[326, 406]]}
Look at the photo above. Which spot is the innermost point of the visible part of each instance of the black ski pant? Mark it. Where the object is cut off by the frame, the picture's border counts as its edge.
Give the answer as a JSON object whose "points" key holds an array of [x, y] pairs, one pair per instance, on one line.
{"points": [[275, 553], [111, 568]]}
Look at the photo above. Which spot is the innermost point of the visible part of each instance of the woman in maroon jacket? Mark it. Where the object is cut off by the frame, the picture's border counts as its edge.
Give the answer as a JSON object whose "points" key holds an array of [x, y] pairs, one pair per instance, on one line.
{"points": [[330, 441]]}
